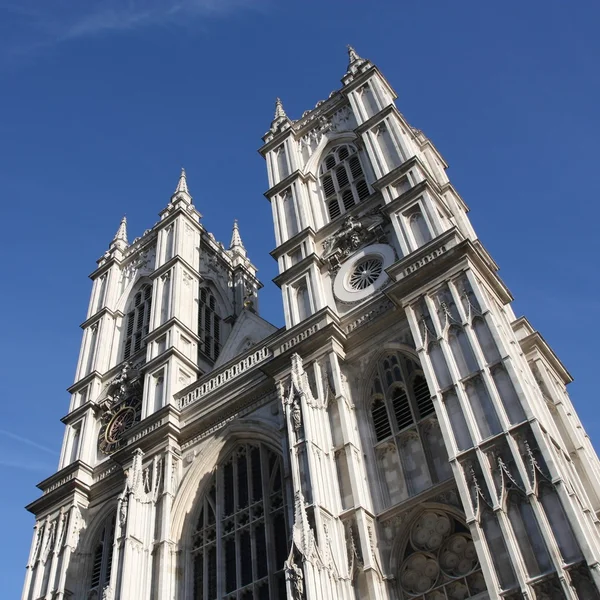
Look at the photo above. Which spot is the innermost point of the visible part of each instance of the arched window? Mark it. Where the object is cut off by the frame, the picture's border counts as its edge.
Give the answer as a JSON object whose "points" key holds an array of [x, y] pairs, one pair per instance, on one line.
{"points": [[439, 560], [559, 523], [368, 99], [386, 144], [462, 351], [303, 302], [408, 442], [209, 325], [282, 163], [419, 228], [102, 553], [241, 538], [289, 212], [508, 394], [528, 535], [342, 180], [138, 321], [497, 547]]}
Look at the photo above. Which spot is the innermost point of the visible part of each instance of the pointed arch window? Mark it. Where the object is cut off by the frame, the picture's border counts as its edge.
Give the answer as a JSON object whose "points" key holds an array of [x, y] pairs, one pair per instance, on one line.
{"points": [[209, 325], [342, 180], [102, 553], [138, 321], [387, 146], [241, 537], [557, 518], [289, 213], [528, 535], [419, 228], [409, 447], [303, 302], [282, 163]]}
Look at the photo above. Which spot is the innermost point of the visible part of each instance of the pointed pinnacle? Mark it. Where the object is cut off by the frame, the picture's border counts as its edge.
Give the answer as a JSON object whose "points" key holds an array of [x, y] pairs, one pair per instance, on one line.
{"points": [[279, 112], [182, 183], [236, 239], [121, 234], [352, 54]]}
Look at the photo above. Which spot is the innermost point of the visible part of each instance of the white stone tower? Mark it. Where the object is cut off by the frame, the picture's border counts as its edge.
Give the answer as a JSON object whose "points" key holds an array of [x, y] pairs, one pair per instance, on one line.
{"points": [[405, 436]]}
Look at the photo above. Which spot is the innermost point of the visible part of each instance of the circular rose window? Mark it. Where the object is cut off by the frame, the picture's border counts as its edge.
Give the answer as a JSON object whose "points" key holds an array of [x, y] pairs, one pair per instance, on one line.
{"points": [[363, 273], [366, 273]]}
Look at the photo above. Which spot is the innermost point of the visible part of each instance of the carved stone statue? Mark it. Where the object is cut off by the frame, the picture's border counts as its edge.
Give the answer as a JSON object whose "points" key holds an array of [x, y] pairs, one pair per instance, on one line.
{"points": [[294, 575], [296, 415], [353, 233], [124, 384]]}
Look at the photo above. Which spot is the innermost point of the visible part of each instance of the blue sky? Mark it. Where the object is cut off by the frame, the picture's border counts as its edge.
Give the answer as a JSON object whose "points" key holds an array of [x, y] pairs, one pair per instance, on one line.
{"points": [[102, 105]]}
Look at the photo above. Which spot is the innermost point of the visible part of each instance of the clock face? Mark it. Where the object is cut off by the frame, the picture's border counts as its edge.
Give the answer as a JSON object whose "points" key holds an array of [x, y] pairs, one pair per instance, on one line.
{"points": [[115, 424]]}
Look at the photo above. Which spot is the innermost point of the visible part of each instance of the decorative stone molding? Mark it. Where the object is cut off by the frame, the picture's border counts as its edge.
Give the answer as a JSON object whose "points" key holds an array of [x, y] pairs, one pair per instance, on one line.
{"points": [[353, 233], [226, 376]]}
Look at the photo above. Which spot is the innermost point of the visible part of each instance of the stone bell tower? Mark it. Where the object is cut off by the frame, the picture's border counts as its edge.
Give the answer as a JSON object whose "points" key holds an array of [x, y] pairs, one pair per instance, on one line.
{"points": [[404, 437], [437, 454]]}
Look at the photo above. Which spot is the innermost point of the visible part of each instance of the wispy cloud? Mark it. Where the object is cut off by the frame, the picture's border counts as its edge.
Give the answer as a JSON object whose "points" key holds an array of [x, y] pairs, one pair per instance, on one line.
{"points": [[26, 465], [27, 442], [36, 24]]}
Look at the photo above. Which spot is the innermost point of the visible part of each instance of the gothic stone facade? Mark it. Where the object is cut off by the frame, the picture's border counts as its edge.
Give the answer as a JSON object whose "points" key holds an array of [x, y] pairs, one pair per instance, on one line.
{"points": [[404, 436]]}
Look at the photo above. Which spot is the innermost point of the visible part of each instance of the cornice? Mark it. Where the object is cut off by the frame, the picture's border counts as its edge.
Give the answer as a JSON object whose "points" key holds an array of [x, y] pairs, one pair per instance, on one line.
{"points": [[170, 264], [376, 118], [176, 212], [415, 273], [76, 477], [307, 233], [158, 331], [163, 357], [535, 341], [297, 269], [78, 413], [99, 314], [81, 383], [399, 172], [287, 182]]}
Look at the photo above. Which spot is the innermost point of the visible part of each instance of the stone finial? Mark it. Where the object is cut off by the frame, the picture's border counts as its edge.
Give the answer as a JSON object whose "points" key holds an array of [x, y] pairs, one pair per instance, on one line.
{"points": [[279, 112], [121, 235], [356, 64], [352, 54], [236, 238], [182, 183]]}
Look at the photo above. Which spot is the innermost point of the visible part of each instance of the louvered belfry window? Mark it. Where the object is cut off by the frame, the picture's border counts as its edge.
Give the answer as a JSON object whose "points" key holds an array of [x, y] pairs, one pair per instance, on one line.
{"points": [[209, 323], [102, 558], [342, 180], [138, 321], [241, 537], [409, 447]]}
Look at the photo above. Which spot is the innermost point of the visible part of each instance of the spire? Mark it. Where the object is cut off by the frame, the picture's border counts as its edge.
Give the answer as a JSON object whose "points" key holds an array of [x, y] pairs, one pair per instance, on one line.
{"points": [[280, 121], [182, 184], [352, 54], [356, 64], [279, 112], [120, 238], [236, 240], [181, 192]]}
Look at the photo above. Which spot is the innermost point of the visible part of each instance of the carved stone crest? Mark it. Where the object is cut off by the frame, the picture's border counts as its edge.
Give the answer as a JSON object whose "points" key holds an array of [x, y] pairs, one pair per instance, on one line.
{"points": [[354, 233]]}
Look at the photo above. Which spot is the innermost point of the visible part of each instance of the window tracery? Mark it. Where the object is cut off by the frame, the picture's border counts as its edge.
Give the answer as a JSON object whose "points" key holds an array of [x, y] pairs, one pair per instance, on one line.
{"points": [[409, 446], [209, 325], [241, 540], [102, 554], [138, 321], [342, 180], [440, 560]]}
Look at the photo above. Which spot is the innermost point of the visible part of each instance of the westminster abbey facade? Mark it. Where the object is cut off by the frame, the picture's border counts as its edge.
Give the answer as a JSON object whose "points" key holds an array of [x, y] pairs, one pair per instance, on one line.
{"points": [[403, 437]]}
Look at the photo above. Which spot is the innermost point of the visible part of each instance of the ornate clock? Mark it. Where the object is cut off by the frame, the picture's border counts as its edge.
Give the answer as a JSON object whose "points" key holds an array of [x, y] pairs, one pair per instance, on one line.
{"points": [[122, 409]]}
